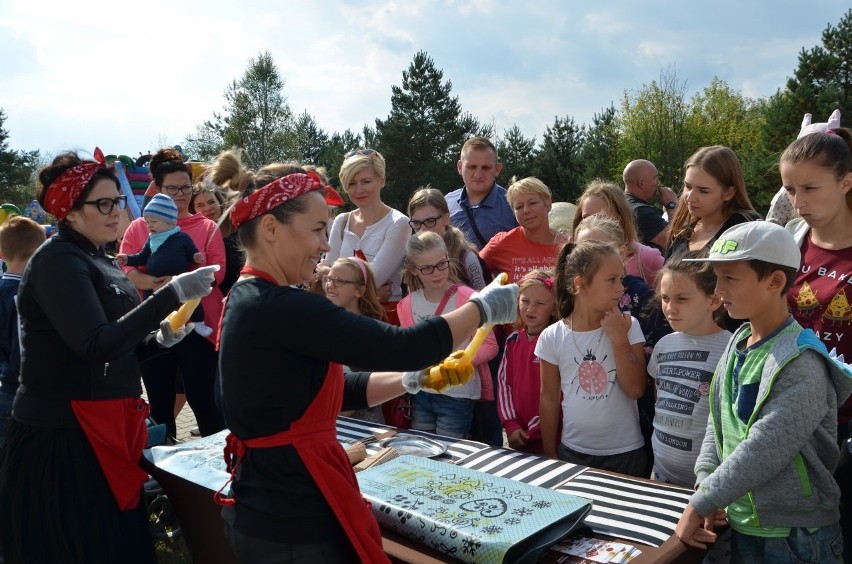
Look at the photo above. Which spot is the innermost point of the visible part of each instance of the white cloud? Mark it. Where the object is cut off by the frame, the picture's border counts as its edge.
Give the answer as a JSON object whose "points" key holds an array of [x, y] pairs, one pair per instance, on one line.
{"points": [[130, 75]]}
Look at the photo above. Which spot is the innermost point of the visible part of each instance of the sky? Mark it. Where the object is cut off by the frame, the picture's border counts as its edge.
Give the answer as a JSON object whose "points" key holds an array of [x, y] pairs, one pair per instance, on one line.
{"points": [[131, 77]]}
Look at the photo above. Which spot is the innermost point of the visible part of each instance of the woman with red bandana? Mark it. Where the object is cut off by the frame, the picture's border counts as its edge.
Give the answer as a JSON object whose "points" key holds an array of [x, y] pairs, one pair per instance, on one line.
{"points": [[195, 356], [70, 483], [281, 350]]}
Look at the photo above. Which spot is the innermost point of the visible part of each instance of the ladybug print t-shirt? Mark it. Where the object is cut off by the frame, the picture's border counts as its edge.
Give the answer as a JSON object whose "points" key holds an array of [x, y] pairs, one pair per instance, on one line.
{"points": [[599, 418]]}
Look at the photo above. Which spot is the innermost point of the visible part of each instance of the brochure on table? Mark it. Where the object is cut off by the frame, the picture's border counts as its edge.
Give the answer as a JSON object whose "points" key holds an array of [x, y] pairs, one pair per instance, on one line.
{"points": [[470, 515]]}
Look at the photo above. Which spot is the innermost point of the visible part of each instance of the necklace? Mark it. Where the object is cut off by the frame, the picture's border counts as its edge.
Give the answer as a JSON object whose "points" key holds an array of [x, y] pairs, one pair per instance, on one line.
{"points": [[588, 356]]}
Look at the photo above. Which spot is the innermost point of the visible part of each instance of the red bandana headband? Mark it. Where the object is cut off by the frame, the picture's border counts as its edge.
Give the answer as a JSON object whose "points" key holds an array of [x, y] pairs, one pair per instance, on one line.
{"points": [[66, 189], [276, 193]]}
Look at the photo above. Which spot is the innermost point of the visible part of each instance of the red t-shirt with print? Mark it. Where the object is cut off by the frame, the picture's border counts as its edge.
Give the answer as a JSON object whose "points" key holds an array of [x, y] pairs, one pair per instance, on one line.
{"points": [[821, 299]]}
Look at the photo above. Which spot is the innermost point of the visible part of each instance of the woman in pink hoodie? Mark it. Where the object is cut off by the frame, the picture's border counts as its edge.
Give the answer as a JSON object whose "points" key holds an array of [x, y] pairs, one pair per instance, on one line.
{"points": [[195, 356]]}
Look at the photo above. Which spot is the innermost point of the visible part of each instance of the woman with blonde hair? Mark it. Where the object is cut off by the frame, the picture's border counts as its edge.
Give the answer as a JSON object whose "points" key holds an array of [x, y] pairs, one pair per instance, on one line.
{"points": [[713, 200], [429, 211], [373, 231], [602, 197], [533, 244]]}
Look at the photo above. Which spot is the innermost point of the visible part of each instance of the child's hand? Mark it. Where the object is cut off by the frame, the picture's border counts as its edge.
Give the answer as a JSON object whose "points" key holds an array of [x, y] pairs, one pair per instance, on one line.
{"points": [[198, 258], [616, 324], [518, 439], [121, 259], [695, 530]]}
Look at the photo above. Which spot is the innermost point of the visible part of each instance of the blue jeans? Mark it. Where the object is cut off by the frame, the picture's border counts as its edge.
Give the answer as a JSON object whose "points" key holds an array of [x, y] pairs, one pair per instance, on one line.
{"points": [[823, 546], [442, 414], [5, 415]]}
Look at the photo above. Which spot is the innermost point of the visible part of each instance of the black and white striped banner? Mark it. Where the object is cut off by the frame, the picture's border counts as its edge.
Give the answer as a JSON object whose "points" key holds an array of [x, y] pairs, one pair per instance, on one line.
{"points": [[629, 508], [350, 430], [527, 468]]}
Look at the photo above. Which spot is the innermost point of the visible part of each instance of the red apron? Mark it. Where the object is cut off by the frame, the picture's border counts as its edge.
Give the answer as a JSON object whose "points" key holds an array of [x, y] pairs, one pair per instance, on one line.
{"points": [[314, 435], [117, 432]]}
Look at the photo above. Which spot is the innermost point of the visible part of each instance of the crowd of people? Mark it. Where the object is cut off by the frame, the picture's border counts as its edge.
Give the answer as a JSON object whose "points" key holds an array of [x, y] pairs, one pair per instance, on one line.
{"points": [[687, 344]]}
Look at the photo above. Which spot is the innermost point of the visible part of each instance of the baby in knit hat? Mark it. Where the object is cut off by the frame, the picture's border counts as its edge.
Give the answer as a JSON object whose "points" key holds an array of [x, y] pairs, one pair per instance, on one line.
{"points": [[168, 251]]}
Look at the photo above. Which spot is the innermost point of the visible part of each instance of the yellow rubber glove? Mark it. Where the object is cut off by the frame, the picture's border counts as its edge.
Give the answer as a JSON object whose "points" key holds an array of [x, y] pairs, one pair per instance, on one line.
{"points": [[453, 371]]}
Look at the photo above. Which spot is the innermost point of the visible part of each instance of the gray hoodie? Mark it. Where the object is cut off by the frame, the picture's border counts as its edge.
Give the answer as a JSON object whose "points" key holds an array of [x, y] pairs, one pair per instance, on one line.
{"points": [[786, 459]]}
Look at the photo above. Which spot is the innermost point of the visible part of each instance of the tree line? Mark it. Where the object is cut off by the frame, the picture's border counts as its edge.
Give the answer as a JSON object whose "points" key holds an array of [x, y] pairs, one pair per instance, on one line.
{"points": [[423, 133]]}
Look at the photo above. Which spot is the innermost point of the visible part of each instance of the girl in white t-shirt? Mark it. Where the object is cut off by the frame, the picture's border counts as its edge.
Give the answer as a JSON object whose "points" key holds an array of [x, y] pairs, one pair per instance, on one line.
{"points": [[593, 359], [435, 291]]}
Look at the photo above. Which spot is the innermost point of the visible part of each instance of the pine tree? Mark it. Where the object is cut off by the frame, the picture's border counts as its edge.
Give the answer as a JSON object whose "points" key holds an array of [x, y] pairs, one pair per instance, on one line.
{"points": [[422, 136], [16, 170]]}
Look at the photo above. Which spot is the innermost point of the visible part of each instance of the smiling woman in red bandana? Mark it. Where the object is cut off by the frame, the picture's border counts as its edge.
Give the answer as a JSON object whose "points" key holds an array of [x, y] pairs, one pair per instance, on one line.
{"points": [[295, 497], [70, 482]]}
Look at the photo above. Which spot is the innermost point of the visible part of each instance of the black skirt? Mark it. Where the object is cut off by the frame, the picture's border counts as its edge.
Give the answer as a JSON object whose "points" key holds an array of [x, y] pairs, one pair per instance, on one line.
{"points": [[57, 506]]}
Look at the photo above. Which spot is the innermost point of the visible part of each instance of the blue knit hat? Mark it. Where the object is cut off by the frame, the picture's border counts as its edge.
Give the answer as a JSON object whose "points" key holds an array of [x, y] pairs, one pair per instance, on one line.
{"points": [[163, 208]]}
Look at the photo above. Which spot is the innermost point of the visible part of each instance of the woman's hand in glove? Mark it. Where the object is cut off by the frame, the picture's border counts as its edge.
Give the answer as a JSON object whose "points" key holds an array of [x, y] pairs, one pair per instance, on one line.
{"points": [[195, 284]]}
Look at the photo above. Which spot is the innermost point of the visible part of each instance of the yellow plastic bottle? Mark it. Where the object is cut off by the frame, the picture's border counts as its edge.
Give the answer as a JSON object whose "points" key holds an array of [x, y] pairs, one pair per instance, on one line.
{"points": [[178, 318]]}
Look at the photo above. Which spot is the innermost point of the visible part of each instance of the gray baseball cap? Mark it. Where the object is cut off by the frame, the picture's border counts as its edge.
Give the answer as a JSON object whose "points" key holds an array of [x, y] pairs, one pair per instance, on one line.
{"points": [[755, 240]]}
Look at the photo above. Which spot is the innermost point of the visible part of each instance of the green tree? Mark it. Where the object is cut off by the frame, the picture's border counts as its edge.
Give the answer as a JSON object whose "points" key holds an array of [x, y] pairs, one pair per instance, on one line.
{"points": [[421, 137], [721, 115], [557, 162], [256, 118], [517, 153], [654, 125], [16, 170], [599, 153], [309, 139], [821, 83]]}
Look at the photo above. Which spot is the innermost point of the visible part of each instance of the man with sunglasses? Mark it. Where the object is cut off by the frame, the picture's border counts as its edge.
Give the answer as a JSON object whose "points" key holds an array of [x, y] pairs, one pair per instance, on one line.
{"points": [[479, 208]]}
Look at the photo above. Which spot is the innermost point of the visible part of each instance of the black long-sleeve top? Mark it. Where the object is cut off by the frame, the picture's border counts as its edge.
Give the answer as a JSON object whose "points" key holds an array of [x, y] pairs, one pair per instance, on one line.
{"points": [[83, 330], [275, 347]]}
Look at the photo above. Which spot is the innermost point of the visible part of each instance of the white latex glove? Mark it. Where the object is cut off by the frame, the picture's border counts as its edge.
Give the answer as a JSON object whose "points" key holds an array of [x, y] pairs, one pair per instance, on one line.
{"points": [[413, 381], [193, 285], [168, 337], [498, 303]]}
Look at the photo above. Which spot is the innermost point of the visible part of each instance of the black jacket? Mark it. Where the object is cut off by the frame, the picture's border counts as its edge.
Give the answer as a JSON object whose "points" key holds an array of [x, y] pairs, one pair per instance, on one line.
{"points": [[83, 330]]}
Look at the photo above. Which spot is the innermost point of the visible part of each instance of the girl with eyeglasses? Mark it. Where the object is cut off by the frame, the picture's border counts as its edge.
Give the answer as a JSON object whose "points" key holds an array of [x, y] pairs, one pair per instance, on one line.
{"points": [[69, 474], [195, 357], [373, 230], [429, 211], [351, 285], [435, 290]]}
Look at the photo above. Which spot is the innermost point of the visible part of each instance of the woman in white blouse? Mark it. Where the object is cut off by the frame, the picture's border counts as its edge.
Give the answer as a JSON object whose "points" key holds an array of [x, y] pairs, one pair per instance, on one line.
{"points": [[374, 231]]}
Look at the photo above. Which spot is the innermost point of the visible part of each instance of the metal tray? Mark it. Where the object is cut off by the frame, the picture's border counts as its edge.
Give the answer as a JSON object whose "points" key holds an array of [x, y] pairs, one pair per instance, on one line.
{"points": [[415, 445]]}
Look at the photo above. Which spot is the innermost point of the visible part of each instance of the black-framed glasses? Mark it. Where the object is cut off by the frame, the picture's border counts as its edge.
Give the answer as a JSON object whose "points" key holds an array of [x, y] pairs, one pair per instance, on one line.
{"points": [[335, 282], [174, 190], [105, 205], [429, 222], [365, 152], [430, 268]]}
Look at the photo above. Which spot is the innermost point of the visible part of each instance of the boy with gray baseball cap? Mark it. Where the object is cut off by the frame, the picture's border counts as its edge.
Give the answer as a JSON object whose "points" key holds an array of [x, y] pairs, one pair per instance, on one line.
{"points": [[771, 443]]}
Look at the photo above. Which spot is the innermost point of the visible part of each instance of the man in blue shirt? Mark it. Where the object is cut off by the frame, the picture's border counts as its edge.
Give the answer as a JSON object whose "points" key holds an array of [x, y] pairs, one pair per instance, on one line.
{"points": [[479, 208]]}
